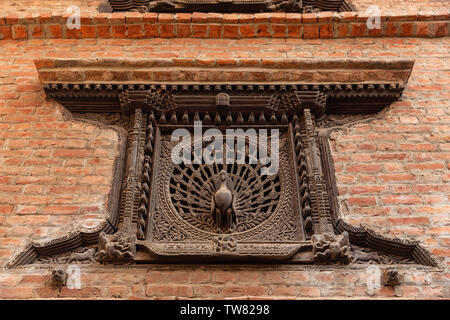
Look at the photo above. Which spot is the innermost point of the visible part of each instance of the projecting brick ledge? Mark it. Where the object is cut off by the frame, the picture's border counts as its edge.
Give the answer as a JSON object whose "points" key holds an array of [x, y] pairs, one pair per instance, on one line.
{"points": [[133, 25]]}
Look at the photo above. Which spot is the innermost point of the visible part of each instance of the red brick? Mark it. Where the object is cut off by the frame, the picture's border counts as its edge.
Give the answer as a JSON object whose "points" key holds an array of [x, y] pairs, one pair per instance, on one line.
{"points": [[183, 17], [294, 31], [213, 17], [247, 31], [309, 18], [262, 30], [55, 31], [278, 17], [310, 32], [402, 199], [342, 30], [69, 153], [19, 32], [133, 17], [230, 18], [166, 31], [16, 293], [285, 291], [231, 31], [86, 292], [215, 31], [135, 31], [223, 277], [166, 17], [37, 32], [293, 18], [362, 201], [151, 31], [199, 17], [406, 29], [326, 31], [119, 31], [441, 29], [149, 17], [5, 33], [262, 17], [88, 31], [391, 29], [308, 291], [200, 31], [167, 291], [409, 220], [364, 168], [103, 31], [358, 29], [278, 30]]}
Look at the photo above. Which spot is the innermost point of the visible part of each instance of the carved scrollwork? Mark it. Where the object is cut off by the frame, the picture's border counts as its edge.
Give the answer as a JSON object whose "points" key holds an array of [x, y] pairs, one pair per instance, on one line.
{"points": [[163, 230], [264, 204], [161, 100], [146, 178], [295, 101], [193, 187], [305, 197]]}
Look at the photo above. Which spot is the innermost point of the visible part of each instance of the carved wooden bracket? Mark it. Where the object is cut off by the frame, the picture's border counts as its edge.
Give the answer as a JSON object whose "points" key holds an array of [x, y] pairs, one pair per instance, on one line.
{"points": [[168, 211]]}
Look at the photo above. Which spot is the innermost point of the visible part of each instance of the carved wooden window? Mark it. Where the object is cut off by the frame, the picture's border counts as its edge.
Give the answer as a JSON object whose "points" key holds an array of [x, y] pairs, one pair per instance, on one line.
{"points": [[161, 211]]}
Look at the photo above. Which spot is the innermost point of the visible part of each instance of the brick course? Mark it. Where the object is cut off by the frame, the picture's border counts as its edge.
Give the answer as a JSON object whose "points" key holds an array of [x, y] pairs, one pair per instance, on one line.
{"points": [[306, 26]]}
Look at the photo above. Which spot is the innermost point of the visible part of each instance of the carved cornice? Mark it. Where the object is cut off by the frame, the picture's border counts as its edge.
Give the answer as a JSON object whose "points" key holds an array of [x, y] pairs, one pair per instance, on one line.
{"points": [[323, 98], [325, 86], [365, 237]]}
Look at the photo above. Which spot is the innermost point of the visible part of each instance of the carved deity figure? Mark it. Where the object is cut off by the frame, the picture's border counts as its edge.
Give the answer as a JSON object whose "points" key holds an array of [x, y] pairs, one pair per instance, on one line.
{"points": [[222, 205], [116, 248], [328, 248]]}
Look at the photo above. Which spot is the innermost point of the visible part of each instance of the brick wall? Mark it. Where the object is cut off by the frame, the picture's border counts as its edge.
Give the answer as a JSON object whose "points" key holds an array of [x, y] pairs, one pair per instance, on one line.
{"points": [[91, 6], [226, 282], [392, 170], [323, 25]]}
